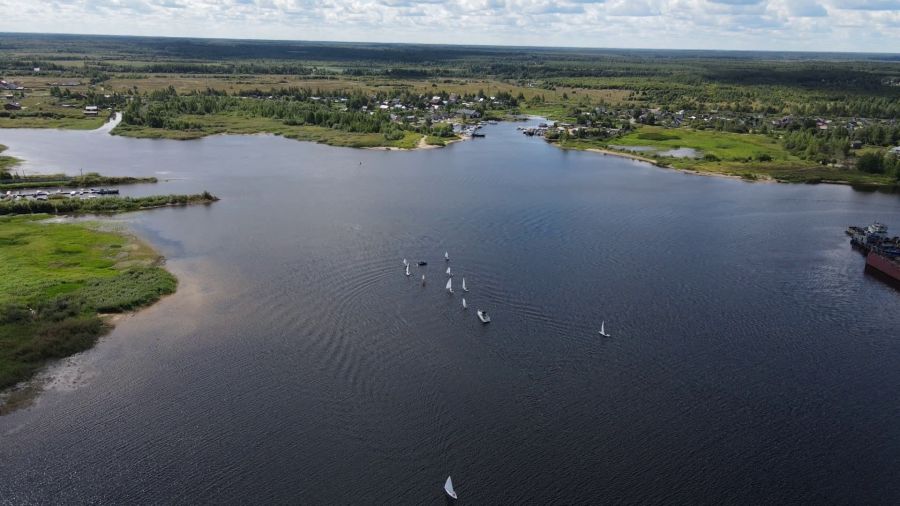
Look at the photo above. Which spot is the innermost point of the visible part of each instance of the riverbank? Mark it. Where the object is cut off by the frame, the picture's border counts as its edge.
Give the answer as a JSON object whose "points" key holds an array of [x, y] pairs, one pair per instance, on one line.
{"points": [[101, 204], [426, 142], [57, 281], [205, 126], [7, 162], [760, 167], [91, 179]]}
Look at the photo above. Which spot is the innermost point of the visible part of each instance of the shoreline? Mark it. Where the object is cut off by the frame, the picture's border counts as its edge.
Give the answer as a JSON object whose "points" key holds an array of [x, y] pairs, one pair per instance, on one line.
{"points": [[139, 270], [632, 156], [422, 145], [759, 178]]}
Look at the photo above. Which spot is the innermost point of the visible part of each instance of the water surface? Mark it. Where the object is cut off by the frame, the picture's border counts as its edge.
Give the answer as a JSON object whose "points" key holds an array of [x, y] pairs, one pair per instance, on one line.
{"points": [[752, 361]]}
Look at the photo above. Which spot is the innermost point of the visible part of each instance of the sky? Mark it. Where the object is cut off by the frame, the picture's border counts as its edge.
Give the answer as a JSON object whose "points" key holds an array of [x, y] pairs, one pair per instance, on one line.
{"points": [[797, 25]]}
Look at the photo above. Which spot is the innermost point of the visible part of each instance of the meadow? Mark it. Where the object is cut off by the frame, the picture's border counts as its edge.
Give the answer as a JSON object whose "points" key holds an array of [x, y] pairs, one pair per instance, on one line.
{"points": [[55, 280]]}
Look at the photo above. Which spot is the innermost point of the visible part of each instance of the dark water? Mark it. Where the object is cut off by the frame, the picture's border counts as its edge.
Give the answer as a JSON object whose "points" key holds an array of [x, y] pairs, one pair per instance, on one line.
{"points": [[752, 361]]}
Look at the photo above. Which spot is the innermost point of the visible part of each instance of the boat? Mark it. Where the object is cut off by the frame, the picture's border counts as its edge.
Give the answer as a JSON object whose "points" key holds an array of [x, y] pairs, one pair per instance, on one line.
{"points": [[483, 316], [449, 286], [447, 256], [603, 329], [405, 262], [422, 263], [886, 262], [464, 285], [448, 488], [465, 306], [407, 270], [423, 280], [448, 272]]}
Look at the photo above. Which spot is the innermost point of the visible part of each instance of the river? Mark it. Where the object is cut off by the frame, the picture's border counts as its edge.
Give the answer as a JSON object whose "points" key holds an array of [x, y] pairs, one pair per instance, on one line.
{"points": [[751, 359]]}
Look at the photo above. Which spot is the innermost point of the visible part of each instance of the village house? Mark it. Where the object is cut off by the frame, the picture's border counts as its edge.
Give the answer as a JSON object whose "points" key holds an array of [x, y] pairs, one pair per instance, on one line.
{"points": [[12, 106], [91, 110]]}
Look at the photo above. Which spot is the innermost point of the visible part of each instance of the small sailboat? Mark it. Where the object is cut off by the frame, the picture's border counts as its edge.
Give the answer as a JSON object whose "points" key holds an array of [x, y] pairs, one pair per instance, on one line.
{"points": [[446, 256], [483, 316], [423, 280], [603, 329], [407, 270], [448, 488], [465, 306], [448, 272], [450, 285], [464, 285], [405, 262]]}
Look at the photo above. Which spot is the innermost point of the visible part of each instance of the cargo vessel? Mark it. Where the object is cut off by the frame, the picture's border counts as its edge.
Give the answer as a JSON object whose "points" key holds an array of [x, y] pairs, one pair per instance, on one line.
{"points": [[882, 252]]}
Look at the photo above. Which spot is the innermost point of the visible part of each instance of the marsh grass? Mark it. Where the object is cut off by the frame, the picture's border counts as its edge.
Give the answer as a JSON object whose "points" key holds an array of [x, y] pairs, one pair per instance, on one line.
{"points": [[55, 279]]}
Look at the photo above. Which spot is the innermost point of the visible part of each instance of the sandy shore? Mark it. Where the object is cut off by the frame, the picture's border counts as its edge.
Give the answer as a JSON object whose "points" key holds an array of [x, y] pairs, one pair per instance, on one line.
{"points": [[420, 145], [761, 178]]}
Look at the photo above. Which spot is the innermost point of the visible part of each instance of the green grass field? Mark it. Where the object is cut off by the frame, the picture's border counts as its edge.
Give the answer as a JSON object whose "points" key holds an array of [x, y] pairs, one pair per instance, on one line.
{"points": [[735, 155], [55, 278], [722, 145]]}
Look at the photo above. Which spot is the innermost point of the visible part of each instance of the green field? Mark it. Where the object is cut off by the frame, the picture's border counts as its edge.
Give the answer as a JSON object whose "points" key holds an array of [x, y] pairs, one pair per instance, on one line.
{"points": [[722, 145], [749, 156], [55, 278]]}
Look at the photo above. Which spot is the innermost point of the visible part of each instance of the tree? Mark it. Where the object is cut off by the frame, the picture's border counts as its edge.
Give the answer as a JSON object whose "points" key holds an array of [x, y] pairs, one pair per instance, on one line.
{"points": [[871, 162]]}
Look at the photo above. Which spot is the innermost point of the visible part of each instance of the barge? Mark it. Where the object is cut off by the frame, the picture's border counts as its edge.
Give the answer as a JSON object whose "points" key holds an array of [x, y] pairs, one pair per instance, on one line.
{"points": [[882, 252]]}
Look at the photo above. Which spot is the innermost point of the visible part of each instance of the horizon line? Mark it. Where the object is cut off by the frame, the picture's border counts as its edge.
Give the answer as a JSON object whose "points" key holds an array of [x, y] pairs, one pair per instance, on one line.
{"points": [[437, 44]]}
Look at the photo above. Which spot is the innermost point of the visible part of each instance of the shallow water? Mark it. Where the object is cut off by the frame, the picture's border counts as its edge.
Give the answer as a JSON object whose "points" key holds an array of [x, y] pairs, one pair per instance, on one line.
{"points": [[752, 360]]}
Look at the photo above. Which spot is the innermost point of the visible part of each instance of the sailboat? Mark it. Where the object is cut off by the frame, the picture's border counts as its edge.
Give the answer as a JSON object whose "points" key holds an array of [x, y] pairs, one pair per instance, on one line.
{"points": [[603, 329], [405, 262], [450, 285], [407, 270], [465, 306], [423, 280], [446, 256], [464, 285], [483, 316], [448, 272], [448, 488]]}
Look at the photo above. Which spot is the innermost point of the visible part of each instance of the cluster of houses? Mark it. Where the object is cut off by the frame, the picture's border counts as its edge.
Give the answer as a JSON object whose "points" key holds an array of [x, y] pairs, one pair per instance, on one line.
{"points": [[9, 87]]}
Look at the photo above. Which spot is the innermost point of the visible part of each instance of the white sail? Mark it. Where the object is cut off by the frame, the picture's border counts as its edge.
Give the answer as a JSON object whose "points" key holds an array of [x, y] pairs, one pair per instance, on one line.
{"points": [[448, 271], [448, 487], [446, 255], [407, 270], [450, 285], [464, 285], [464, 304], [423, 279], [603, 329], [405, 262]]}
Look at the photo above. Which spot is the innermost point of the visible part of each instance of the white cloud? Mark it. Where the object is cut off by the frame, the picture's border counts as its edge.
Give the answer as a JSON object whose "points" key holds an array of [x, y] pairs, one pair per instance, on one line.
{"points": [[840, 25]]}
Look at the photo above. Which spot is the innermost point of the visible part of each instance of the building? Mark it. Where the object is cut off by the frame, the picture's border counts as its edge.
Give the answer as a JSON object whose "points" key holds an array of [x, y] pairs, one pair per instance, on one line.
{"points": [[12, 106], [91, 110]]}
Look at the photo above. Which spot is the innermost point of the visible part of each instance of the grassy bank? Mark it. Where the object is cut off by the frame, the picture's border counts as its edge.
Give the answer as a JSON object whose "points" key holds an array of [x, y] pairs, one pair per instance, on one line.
{"points": [[748, 156], [101, 204], [91, 179], [7, 162], [55, 279], [233, 124]]}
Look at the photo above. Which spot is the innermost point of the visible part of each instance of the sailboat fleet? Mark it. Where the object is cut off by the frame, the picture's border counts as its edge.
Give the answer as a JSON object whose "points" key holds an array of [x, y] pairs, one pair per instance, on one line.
{"points": [[481, 314]]}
